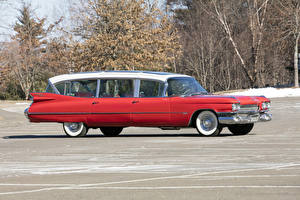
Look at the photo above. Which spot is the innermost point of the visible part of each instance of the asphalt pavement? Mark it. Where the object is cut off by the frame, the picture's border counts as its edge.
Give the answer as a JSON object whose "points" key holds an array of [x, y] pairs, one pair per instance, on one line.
{"points": [[37, 161]]}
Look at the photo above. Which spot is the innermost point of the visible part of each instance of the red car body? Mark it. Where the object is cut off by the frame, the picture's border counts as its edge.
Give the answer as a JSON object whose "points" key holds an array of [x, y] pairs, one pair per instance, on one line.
{"points": [[164, 111]]}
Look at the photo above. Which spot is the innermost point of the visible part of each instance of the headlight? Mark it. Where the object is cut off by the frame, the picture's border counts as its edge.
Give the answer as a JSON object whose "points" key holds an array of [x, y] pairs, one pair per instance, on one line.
{"points": [[266, 105], [236, 107]]}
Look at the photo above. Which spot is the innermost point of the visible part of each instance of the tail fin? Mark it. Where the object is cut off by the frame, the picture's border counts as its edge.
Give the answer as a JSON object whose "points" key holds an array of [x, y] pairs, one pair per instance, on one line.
{"points": [[38, 97]]}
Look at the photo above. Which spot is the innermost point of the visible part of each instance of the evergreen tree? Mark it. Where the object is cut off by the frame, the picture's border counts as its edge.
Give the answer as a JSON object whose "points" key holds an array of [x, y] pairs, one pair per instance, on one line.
{"points": [[30, 36], [125, 35]]}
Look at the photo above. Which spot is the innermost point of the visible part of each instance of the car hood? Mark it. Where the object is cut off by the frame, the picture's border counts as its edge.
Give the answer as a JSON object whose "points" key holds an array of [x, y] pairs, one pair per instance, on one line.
{"points": [[248, 99], [243, 100]]}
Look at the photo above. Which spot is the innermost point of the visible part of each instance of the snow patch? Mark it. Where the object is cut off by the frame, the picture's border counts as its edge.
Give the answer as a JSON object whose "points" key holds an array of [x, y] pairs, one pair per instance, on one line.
{"points": [[22, 103], [269, 92]]}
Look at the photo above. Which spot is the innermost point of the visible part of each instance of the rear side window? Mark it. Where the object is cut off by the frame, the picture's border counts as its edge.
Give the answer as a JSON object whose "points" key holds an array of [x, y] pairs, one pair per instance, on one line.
{"points": [[61, 88], [49, 89], [78, 88], [149, 88], [116, 88]]}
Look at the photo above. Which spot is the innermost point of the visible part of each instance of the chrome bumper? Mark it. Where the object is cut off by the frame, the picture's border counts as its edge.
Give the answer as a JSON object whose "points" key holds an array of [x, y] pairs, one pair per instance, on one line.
{"points": [[244, 118], [26, 113]]}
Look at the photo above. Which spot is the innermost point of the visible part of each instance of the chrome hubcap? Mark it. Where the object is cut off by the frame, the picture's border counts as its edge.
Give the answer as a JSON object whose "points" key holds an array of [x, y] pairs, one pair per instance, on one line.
{"points": [[74, 127], [208, 123]]}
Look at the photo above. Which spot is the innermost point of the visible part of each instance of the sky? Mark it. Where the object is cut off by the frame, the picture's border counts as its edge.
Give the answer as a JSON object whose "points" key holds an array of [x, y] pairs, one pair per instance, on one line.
{"points": [[52, 9]]}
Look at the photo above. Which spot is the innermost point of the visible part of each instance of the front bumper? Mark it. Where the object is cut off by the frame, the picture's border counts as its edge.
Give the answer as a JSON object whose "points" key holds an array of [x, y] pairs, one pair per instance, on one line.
{"points": [[236, 118]]}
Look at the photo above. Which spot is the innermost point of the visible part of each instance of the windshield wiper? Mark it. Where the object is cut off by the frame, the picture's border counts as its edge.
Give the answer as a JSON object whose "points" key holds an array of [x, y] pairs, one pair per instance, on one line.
{"points": [[198, 93]]}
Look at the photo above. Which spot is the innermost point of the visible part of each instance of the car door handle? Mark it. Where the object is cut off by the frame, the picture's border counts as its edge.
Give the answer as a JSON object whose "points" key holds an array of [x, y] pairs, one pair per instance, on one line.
{"points": [[95, 102], [134, 102]]}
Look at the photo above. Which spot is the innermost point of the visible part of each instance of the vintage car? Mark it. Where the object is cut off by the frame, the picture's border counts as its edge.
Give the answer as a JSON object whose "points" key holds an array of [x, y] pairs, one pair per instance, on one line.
{"points": [[113, 100]]}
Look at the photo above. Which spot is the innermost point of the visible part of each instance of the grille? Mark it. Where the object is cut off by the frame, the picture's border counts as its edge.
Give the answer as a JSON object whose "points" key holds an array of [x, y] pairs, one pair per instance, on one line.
{"points": [[249, 108]]}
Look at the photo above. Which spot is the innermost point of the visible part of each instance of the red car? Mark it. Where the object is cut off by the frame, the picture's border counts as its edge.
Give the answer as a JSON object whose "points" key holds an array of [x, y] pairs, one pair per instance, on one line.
{"points": [[113, 100]]}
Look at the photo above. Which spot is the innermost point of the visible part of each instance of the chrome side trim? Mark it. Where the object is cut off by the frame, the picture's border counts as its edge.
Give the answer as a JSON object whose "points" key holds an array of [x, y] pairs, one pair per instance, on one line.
{"points": [[101, 113]]}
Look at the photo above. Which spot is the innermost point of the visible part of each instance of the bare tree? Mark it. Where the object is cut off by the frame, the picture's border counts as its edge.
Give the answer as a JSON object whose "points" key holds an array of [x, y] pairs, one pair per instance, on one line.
{"points": [[25, 54], [257, 11], [3, 63], [3, 71], [207, 54], [256, 14], [290, 11]]}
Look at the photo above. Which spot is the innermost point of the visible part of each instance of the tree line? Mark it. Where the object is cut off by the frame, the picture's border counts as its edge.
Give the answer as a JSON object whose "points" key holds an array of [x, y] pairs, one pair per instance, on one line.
{"points": [[224, 44], [239, 43]]}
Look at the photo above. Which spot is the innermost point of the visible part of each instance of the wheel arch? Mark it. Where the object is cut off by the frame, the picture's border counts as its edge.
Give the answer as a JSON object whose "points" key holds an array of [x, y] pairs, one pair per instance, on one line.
{"points": [[193, 117], [82, 131]]}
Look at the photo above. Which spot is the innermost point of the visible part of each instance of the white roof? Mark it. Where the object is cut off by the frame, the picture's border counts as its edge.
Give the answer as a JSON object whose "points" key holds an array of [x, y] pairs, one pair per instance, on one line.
{"points": [[162, 76]]}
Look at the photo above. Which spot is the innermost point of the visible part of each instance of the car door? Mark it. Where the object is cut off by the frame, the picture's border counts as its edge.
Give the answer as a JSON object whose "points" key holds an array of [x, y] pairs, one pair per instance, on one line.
{"points": [[150, 108], [74, 102], [113, 106]]}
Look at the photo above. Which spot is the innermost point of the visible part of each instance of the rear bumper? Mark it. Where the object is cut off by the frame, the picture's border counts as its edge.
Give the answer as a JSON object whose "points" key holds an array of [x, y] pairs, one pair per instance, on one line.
{"points": [[26, 113], [236, 118]]}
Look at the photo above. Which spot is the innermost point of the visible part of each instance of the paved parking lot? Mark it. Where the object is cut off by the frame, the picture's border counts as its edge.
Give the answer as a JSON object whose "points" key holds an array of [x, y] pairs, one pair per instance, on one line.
{"points": [[37, 161]]}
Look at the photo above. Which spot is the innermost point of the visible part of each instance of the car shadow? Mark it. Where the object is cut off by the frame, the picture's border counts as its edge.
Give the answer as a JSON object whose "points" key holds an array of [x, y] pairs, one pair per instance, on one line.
{"points": [[102, 136]]}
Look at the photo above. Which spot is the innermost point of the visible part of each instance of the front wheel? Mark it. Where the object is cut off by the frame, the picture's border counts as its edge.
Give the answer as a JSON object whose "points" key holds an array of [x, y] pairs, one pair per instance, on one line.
{"points": [[75, 129], [207, 124], [240, 129], [111, 131]]}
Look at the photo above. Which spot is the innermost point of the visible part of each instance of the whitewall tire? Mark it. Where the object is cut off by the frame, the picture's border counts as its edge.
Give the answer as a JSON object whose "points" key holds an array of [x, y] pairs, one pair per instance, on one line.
{"points": [[207, 124], [75, 129]]}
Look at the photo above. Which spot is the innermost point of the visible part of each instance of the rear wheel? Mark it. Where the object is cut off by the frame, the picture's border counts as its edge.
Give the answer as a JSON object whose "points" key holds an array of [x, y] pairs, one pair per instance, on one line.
{"points": [[240, 129], [75, 129], [111, 131], [207, 124]]}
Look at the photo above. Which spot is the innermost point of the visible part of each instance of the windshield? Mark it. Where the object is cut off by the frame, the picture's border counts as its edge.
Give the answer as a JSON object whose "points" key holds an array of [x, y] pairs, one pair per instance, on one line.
{"points": [[184, 87]]}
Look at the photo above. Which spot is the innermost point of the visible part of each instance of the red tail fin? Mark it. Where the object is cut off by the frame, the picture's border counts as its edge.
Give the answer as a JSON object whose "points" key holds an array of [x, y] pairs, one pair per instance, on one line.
{"points": [[37, 97]]}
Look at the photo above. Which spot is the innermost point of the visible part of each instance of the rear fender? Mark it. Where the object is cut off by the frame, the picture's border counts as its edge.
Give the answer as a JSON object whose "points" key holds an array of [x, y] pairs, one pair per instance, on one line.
{"points": [[38, 97]]}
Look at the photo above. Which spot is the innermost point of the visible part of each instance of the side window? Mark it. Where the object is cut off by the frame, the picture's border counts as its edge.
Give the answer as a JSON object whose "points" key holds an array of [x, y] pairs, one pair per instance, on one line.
{"points": [[116, 88], [80, 88], [150, 88], [49, 89], [60, 87]]}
